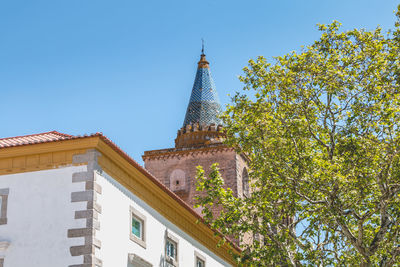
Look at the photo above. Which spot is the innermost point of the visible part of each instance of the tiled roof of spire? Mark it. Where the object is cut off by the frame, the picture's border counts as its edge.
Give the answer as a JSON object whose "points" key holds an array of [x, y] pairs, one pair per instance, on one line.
{"points": [[203, 105]]}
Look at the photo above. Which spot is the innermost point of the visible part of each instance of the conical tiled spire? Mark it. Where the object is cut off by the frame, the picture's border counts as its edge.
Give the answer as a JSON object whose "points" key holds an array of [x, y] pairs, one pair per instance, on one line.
{"points": [[204, 105]]}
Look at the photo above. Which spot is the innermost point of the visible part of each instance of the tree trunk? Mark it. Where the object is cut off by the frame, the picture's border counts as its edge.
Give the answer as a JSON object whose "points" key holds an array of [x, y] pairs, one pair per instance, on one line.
{"points": [[365, 263]]}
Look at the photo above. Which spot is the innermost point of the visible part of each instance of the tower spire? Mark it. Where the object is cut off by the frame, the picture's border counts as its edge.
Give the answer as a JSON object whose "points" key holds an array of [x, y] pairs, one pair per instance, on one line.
{"points": [[204, 106]]}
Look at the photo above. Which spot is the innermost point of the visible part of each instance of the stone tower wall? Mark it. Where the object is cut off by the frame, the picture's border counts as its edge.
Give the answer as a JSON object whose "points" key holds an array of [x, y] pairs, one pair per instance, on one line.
{"points": [[229, 162]]}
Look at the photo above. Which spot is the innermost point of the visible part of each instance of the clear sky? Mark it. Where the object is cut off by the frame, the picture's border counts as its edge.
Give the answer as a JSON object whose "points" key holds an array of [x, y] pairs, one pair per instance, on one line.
{"points": [[126, 67]]}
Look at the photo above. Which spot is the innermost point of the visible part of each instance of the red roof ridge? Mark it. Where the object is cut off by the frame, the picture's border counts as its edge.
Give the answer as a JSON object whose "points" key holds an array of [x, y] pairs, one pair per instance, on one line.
{"points": [[63, 134], [46, 137], [30, 135]]}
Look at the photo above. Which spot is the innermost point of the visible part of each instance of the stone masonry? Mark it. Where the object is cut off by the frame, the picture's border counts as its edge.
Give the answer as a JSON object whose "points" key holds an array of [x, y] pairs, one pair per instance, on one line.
{"points": [[90, 214]]}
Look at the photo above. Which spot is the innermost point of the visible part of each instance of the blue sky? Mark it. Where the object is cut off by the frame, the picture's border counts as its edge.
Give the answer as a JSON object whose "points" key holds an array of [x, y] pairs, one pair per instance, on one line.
{"points": [[126, 68]]}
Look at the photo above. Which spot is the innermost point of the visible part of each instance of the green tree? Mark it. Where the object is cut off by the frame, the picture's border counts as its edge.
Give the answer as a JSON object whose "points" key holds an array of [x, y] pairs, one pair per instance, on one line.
{"points": [[322, 130]]}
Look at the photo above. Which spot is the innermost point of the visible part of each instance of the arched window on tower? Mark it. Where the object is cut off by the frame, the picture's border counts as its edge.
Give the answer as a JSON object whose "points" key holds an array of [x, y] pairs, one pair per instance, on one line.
{"points": [[245, 183], [177, 180]]}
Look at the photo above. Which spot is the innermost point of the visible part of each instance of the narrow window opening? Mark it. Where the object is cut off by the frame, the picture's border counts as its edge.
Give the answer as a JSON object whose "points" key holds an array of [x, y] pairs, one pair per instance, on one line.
{"points": [[137, 227], [200, 260], [171, 249], [3, 205], [199, 263], [245, 183]]}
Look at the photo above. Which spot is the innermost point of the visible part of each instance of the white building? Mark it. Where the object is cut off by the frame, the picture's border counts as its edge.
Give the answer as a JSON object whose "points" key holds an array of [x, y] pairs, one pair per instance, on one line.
{"points": [[81, 201]]}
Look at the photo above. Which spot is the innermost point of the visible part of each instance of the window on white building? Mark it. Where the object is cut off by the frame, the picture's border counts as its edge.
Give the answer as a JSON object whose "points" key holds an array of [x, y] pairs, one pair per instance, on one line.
{"points": [[200, 261], [137, 227], [171, 250], [3, 205]]}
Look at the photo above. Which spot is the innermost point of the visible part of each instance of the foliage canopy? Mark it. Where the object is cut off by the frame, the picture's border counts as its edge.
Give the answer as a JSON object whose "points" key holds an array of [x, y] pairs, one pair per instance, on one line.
{"points": [[322, 132]]}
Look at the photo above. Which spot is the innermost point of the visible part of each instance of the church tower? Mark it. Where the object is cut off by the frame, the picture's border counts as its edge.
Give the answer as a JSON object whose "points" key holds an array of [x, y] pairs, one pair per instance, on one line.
{"points": [[199, 142]]}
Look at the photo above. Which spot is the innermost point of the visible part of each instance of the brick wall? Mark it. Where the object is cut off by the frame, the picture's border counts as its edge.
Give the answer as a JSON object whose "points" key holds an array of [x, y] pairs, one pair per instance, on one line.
{"points": [[229, 162]]}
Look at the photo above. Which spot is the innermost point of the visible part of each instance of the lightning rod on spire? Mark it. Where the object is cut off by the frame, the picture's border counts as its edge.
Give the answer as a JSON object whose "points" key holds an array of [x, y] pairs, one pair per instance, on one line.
{"points": [[202, 46]]}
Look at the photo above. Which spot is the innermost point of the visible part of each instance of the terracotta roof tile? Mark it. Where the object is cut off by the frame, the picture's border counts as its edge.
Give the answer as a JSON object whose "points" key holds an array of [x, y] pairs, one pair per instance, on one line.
{"points": [[32, 139], [39, 138]]}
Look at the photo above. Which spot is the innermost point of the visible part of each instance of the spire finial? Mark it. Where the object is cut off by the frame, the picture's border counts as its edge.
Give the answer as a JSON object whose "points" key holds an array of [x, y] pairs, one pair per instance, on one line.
{"points": [[203, 63]]}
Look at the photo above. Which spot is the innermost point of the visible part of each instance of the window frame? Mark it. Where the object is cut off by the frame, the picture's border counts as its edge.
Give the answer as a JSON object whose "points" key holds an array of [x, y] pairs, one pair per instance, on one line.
{"points": [[171, 238], [3, 247], [197, 257], [140, 226], [138, 261], [134, 213], [3, 208]]}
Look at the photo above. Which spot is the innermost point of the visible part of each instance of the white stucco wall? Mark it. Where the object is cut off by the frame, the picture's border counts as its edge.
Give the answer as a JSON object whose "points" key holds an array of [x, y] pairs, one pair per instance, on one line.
{"points": [[39, 215], [115, 225]]}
